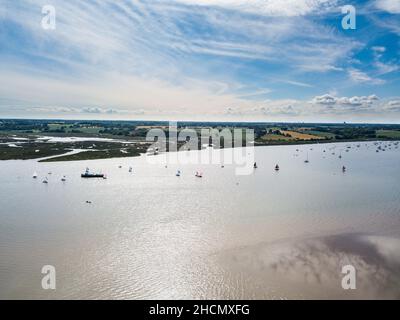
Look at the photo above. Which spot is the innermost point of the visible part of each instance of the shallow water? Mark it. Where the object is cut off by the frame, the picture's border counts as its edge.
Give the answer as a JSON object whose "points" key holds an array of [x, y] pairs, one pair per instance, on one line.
{"points": [[152, 235]]}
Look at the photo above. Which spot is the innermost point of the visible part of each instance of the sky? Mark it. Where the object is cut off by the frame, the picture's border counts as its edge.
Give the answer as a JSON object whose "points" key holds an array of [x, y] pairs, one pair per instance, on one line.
{"points": [[215, 60]]}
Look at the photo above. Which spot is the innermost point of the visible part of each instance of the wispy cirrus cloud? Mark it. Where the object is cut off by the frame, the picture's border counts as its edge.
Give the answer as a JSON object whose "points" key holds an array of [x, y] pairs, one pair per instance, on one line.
{"points": [[383, 67], [183, 57], [359, 76], [391, 6], [269, 7]]}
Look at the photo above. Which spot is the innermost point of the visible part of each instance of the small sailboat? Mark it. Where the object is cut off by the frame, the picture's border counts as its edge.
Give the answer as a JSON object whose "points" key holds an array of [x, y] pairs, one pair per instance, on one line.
{"points": [[344, 169], [34, 176], [277, 168], [64, 178], [178, 173], [46, 180], [130, 169], [306, 161], [199, 174], [255, 165]]}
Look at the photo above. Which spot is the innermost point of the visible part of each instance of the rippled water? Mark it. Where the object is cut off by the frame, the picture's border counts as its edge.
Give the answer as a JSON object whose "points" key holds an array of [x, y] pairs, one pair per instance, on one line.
{"points": [[152, 235]]}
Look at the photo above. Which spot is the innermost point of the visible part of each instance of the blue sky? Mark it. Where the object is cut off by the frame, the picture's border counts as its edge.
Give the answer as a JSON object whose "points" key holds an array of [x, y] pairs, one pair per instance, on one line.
{"points": [[236, 60]]}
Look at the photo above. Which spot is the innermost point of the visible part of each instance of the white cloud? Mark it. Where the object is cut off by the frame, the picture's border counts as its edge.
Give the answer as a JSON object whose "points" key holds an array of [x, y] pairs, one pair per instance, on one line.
{"points": [[379, 49], [383, 67], [329, 99], [359, 76], [324, 99], [358, 101], [297, 83], [392, 106], [269, 7], [325, 107], [391, 6], [346, 105]]}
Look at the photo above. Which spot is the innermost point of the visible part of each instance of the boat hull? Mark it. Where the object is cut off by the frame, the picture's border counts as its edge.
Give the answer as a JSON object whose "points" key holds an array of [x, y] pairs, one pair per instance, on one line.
{"points": [[92, 175]]}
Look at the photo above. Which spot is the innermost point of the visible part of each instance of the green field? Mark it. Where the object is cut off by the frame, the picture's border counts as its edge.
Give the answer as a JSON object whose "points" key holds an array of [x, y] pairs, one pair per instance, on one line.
{"points": [[391, 134], [325, 135]]}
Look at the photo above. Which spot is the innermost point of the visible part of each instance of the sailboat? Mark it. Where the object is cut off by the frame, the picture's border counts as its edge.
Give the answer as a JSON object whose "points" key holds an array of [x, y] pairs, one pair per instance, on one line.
{"points": [[199, 174], [307, 161], [178, 173], [255, 165], [46, 180], [130, 169], [277, 168], [344, 169], [34, 176], [64, 178]]}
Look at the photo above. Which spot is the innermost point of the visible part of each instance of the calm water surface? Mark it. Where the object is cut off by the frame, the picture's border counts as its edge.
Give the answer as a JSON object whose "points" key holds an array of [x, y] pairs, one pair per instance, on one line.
{"points": [[152, 235]]}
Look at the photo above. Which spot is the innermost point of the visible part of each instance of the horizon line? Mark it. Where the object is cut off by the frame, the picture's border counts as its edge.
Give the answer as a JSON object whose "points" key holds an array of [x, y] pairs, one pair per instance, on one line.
{"points": [[203, 121]]}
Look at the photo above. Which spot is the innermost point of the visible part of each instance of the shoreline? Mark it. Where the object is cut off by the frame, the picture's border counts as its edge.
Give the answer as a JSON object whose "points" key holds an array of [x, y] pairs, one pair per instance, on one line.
{"points": [[46, 140], [93, 154]]}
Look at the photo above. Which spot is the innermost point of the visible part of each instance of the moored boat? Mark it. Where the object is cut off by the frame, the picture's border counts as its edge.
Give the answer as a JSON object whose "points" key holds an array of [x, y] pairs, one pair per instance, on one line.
{"points": [[87, 174]]}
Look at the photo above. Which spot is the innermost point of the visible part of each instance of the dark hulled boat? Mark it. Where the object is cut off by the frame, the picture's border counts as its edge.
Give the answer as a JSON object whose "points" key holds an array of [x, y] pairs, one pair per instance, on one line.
{"points": [[87, 174]]}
